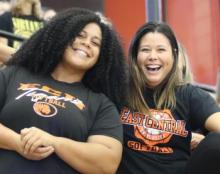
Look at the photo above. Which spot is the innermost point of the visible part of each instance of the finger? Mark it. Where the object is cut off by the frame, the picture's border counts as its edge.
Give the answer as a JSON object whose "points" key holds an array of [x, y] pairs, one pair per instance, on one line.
{"points": [[48, 153], [29, 141], [194, 144], [25, 139], [40, 153], [25, 135], [24, 132], [44, 149], [36, 144]]}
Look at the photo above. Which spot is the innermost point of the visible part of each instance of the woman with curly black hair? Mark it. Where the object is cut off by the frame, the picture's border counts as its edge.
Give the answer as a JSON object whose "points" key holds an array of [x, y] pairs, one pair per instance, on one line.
{"points": [[54, 113]]}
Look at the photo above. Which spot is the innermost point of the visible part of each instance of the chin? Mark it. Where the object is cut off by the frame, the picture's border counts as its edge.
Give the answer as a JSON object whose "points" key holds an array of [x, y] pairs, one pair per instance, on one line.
{"points": [[153, 84]]}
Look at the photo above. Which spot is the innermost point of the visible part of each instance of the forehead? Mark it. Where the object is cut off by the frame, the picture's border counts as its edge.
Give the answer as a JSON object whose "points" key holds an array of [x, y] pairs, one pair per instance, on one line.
{"points": [[93, 29], [154, 38]]}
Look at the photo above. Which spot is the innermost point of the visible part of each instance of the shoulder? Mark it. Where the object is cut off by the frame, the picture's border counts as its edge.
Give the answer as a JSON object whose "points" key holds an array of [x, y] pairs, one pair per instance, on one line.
{"points": [[193, 95], [99, 98], [5, 19], [13, 68], [11, 71], [196, 97], [6, 15], [191, 90], [6, 74], [29, 17], [99, 102]]}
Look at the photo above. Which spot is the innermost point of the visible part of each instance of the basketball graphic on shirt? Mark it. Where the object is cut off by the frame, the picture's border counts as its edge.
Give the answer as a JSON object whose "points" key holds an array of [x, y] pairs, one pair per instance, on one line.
{"points": [[153, 131], [45, 109]]}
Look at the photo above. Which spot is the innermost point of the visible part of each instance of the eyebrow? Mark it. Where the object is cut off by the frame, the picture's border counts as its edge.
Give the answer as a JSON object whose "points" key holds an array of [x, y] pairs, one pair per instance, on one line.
{"points": [[150, 46], [95, 37], [98, 38], [144, 45]]}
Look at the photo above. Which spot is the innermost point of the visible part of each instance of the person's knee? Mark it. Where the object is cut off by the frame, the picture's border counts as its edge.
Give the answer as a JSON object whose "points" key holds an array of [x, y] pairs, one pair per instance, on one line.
{"points": [[206, 156], [212, 140]]}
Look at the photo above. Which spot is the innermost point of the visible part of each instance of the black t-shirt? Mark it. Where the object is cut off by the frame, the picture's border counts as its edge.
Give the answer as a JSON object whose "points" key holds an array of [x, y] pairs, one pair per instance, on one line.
{"points": [[160, 143], [62, 109], [23, 25]]}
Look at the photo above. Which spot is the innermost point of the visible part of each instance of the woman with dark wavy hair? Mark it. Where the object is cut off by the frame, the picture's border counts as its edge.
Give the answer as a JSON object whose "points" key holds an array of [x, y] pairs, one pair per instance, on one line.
{"points": [[57, 99], [163, 110]]}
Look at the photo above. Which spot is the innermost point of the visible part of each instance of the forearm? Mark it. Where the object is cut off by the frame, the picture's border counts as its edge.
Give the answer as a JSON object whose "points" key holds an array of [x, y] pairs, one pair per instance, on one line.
{"points": [[86, 157], [8, 138], [5, 52], [100, 154], [213, 122]]}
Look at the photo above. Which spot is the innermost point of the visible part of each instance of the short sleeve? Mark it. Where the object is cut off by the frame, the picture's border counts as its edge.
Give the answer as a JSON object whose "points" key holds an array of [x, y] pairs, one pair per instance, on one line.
{"points": [[202, 105], [107, 120], [5, 21], [2, 89]]}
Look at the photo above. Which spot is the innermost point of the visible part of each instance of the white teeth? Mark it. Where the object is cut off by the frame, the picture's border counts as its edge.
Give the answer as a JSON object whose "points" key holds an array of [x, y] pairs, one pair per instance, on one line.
{"points": [[81, 53], [153, 67]]}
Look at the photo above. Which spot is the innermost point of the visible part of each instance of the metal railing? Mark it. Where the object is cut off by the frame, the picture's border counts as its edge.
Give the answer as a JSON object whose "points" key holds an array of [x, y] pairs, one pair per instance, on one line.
{"points": [[218, 87], [12, 36]]}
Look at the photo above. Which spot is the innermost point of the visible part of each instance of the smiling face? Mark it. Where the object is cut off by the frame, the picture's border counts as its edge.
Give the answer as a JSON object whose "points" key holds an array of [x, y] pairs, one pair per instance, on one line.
{"points": [[83, 53], [155, 57]]}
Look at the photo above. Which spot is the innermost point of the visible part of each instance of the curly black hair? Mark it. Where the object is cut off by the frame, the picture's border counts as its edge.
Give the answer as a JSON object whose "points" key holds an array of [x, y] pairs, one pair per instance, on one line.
{"points": [[44, 50]]}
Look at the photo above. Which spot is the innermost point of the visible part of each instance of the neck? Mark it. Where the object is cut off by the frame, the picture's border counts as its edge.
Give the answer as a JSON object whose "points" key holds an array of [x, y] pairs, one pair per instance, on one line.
{"points": [[63, 75], [27, 9]]}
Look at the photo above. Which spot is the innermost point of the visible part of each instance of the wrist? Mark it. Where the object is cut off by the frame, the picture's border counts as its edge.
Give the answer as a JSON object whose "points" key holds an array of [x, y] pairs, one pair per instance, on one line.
{"points": [[53, 141], [56, 143], [17, 146]]}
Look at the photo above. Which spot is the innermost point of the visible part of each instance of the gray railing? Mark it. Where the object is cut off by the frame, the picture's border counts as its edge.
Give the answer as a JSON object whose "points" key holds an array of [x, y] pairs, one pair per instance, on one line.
{"points": [[12, 36]]}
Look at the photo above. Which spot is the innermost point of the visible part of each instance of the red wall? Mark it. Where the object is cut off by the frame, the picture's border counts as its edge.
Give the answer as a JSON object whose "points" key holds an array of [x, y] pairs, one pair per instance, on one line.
{"points": [[197, 25], [127, 16], [195, 22]]}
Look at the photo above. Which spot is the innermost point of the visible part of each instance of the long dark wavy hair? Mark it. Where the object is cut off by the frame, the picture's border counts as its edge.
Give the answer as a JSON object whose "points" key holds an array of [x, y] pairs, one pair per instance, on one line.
{"points": [[44, 51], [164, 93]]}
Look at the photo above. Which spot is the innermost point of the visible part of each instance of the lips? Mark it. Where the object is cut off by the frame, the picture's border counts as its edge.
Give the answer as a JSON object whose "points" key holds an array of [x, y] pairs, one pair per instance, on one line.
{"points": [[153, 67], [81, 52]]}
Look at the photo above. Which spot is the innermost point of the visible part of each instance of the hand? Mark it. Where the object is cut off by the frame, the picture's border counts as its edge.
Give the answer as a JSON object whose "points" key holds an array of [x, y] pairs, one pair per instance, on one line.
{"points": [[196, 139], [35, 140], [39, 154]]}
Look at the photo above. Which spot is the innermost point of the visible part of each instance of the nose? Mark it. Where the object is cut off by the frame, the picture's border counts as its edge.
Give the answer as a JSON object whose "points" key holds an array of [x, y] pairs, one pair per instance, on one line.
{"points": [[85, 42], [153, 55]]}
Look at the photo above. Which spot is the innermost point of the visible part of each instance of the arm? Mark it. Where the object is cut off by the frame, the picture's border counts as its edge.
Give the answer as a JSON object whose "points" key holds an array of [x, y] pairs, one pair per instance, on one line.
{"points": [[11, 140], [8, 138], [4, 40], [196, 139], [5, 52], [100, 154], [212, 123], [205, 111], [7, 143]]}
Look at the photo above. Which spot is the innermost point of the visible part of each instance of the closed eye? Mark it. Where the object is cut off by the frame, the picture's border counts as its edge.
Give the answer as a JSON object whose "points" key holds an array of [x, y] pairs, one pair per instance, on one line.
{"points": [[96, 41], [161, 50], [81, 35], [144, 49]]}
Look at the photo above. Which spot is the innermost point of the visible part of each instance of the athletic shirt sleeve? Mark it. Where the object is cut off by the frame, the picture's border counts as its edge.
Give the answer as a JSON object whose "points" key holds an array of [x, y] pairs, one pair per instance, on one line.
{"points": [[5, 22], [107, 120], [202, 105], [6, 75], [2, 89]]}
